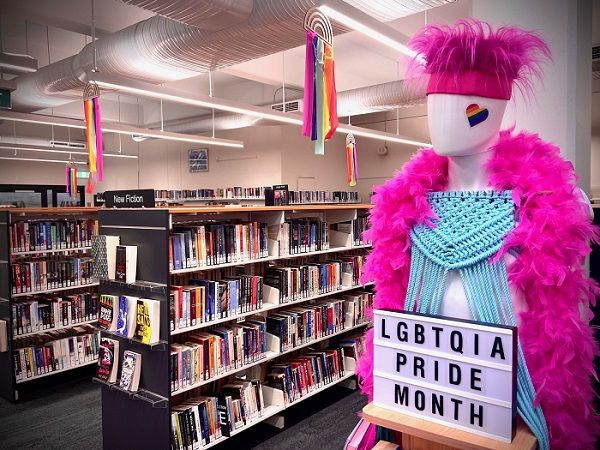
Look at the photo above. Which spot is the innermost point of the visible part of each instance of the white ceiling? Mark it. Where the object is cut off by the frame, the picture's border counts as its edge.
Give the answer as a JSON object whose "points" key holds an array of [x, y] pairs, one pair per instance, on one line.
{"points": [[53, 30]]}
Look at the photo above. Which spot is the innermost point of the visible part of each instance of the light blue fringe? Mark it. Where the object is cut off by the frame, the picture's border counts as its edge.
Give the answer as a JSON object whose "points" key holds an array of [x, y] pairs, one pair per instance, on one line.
{"points": [[435, 251]]}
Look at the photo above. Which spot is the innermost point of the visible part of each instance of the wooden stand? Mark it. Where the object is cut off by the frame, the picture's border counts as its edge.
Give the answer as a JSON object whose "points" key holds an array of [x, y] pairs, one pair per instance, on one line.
{"points": [[419, 434]]}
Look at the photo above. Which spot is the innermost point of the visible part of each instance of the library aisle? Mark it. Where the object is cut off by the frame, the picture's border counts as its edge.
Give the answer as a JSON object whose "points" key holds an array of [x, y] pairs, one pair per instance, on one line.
{"points": [[299, 224], [57, 417]]}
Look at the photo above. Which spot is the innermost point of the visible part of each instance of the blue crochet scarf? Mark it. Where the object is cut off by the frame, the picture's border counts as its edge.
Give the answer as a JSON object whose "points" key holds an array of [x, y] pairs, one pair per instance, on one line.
{"points": [[468, 231]]}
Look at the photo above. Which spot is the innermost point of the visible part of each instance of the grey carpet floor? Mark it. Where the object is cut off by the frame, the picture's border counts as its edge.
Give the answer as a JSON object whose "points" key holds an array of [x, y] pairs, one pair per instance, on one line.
{"points": [[68, 416]]}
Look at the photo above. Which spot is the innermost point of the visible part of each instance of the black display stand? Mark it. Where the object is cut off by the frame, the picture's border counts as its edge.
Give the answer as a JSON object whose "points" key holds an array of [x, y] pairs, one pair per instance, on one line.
{"points": [[140, 420], [8, 384]]}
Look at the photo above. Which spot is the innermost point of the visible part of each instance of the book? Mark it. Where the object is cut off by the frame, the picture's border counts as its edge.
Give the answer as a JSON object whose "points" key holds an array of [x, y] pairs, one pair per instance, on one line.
{"points": [[109, 312], [148, 321], [3, 337], [104, 251], [131, 371], [108, 360], [126, 263], [126, 319]]}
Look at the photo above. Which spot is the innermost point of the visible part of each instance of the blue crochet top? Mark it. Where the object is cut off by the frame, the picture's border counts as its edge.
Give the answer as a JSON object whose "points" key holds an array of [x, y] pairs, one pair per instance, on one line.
{"points": [[468, 230]]}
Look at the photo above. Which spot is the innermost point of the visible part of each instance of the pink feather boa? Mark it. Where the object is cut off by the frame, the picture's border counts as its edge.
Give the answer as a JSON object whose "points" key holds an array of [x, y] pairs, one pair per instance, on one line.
{"points": [[552, 237]]}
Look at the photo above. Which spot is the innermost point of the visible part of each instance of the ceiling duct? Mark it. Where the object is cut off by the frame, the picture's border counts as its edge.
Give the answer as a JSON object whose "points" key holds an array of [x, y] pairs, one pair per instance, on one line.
{"points": [[211, 15], [159, 50]]}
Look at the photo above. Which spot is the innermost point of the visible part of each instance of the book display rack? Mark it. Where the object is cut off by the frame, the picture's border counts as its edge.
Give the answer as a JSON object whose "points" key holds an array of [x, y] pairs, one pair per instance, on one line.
{"points": [[48, 297], [237, 268]]}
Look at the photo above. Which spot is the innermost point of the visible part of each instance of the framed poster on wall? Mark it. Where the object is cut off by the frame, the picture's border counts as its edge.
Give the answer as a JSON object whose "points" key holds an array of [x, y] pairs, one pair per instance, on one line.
{"points": [[198, 160]]}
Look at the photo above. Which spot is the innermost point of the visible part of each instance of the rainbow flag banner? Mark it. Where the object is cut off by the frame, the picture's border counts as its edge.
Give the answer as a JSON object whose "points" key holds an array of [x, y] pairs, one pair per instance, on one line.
{"points": [[93, 135], [320, 118], [351, 160], [71, 180]]}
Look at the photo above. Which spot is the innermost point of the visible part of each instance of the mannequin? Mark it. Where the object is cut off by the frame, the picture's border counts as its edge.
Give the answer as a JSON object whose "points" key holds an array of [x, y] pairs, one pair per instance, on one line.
{"points": [[468, 148], [489, 226]]}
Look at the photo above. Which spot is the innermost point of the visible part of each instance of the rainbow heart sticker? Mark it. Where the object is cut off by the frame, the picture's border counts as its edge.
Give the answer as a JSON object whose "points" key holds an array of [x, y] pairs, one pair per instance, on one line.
{"points": [[476, 114]]}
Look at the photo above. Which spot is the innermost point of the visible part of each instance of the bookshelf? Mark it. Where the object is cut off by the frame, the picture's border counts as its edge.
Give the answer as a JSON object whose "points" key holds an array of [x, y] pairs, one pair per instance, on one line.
{"points": [[44, 245], [149, 230]]}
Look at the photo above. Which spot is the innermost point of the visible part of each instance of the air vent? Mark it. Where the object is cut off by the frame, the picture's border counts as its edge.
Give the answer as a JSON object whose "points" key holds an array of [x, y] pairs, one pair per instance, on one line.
{"points": [[293, 106], [65, 144], [596, 53]]}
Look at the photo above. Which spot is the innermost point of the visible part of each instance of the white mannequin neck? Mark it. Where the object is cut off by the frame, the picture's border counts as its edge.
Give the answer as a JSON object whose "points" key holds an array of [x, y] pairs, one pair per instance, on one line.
{"points": [[467, 173]]}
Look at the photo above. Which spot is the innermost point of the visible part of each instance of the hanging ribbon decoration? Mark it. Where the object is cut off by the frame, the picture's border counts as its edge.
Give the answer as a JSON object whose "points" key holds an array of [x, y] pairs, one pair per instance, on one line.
{"points": [[71, 180], [351, 160], [320, 118], [93, 135]]}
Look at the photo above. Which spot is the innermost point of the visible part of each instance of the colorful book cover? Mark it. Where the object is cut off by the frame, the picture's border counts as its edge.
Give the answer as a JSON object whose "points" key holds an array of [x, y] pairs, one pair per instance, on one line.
{"points": [[106, 360], [122, 317], [121, 263], [143, 325], [130, 371], [107, 312]]}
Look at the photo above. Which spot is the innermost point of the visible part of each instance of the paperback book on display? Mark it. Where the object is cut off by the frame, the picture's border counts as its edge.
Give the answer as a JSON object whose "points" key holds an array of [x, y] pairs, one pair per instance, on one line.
{"points": [[126, 320], [108, 360], [126, 263], [148, 321], [104, 251], [131, 371], [109, 312]]}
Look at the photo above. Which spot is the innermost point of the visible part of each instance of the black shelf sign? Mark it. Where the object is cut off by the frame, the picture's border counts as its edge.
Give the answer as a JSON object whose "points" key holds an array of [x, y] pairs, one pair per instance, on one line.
{"points": [[129, 198]]}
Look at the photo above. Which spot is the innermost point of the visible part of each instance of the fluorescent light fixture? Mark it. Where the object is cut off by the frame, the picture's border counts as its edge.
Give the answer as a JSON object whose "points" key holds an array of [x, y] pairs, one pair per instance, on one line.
{"points": [[15, 158], [202, 101], [380, 135], [35, 148], [111, 127], [355, 19], [142, 89]]}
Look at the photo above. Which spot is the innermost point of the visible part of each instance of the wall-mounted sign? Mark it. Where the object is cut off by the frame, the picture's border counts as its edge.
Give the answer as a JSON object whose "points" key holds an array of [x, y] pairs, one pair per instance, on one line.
{"points": [[129, 199], [198, 160], [453, 372]]}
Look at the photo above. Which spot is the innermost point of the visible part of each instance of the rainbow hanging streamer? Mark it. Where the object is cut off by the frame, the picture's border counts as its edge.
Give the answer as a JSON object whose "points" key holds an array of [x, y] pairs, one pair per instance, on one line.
{"points": [[320, 118], [93, 135], [71, 180], [351, 160]]}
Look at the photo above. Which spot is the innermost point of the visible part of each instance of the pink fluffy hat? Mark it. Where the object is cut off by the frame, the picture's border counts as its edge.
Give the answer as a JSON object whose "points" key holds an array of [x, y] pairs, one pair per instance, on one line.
{"points": [[470, 58]]}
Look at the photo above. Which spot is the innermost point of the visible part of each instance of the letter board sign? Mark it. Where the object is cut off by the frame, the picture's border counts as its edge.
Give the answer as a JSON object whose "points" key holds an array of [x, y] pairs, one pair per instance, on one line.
{"points": [[454, 372]]}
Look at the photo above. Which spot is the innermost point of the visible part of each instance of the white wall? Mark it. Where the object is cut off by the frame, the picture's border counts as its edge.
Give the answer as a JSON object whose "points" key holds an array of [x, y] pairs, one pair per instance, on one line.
{"points": [[561, 110]]}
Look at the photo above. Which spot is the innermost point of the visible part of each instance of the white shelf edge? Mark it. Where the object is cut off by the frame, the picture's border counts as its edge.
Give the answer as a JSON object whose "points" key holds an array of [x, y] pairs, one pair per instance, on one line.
{"points": [[88, 363], [54, 329], [268, 307], [269, 356], [265, 259], [49, 291], [56, 250]]}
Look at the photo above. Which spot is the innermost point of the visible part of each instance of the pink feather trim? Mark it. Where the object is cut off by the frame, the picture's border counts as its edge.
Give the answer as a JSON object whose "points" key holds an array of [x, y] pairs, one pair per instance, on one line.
{"points": [[552, 237]]}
